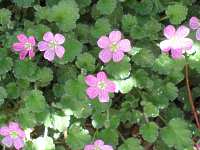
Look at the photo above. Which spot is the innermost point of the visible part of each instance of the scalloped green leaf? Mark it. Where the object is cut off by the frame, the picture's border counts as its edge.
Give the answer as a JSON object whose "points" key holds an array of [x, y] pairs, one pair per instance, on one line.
{"points": [[177, 13], [131, 144], [178, 129], [46, 143], [149, 132], [77, 137], [6, 64], [86, 62], [119, 70], [106, 7]]}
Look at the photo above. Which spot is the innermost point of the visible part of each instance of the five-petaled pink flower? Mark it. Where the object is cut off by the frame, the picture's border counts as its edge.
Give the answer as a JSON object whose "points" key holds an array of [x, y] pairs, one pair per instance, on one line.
{"points": [[13, 135], [99, 86], [52, 45], [98, 145], [194, 24], [176, 41], [25, 46], [113, 47]]}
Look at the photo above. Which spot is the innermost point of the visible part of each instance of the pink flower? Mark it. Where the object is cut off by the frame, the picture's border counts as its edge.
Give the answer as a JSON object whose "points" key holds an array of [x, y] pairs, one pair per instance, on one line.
{"points": [[25, 46], [113, 47], [13, 135], [98, 145], [52, 45], [194, 24], [99, 86], [176, 41]]}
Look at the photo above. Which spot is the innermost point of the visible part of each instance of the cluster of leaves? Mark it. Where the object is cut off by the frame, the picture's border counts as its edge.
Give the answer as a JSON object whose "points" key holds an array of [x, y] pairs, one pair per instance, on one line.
{"points": [[152, 108]]}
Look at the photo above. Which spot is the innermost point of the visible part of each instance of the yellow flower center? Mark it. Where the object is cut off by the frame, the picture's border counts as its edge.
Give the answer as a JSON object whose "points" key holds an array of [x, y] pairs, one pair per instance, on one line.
{"points": [[101, 85], [113, 47], [28, 46]]}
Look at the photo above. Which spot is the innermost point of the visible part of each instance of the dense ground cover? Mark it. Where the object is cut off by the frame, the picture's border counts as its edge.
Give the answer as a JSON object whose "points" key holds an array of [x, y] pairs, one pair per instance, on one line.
{"points": [[99, 74]]}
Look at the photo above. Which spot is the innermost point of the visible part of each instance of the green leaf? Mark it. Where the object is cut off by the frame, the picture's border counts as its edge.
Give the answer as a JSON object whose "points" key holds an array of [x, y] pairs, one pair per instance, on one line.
{"points": [[150, 110], [77, 137], [140, 6], [5, 65], [177, 13], [25, 70], [119, 70], [73, 49], [86, 61], [101, 27], [3, 95], [131, 144], [144, 58], [128, 21], [5, 19], [35, 101], [43, 143], [109, 135], [44, 76], [106, 7], [64, 14], [125, 86], [149, 132], [23, 3], [178, 129], [13, 90], [57, 122]]}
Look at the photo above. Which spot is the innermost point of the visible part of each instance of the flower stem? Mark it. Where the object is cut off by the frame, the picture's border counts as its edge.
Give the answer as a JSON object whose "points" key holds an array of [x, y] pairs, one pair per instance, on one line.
{"points": [[190, 96], [45, 132]]}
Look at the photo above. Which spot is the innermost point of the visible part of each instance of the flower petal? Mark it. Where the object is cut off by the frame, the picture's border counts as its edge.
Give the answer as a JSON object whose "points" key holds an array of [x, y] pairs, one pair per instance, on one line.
{"points": [[103, 96], [165, 45], [98, 143], [92, 92], [18, 143], [194, 23], [124, 45], [182, 31], [18, 47], [91, 80], [105, 55], [59, 38], [4, 131], [60, 50], [22, 38], [107, 147], [101, 76], [103, 42], [43, 46], [13, 125], [111, 87], [31, 40], [48, 36], [49, 55], [7, 141], [31, 53], [186, 43], [169, 31], [198, 34], [23, 54], [115, 36], [118, 56], [177, 54]]}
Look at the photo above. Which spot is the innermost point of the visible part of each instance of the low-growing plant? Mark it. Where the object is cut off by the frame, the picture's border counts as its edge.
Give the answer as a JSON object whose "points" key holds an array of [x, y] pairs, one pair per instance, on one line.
{"points": [[99, 74]]}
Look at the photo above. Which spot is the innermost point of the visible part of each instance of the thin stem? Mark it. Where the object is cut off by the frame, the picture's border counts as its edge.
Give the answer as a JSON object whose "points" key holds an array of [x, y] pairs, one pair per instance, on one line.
{"points": [[190, 96], [121, 136], [45, 132], [163, 120], [4, 147]]}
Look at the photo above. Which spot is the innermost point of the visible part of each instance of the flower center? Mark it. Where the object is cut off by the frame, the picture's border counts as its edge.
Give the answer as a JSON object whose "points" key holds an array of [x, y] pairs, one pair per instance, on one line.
{"points": [[14, 134], [97, 148], [101, 85], [174, 40], [113, 47], [28, 46], [52, 44]]}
